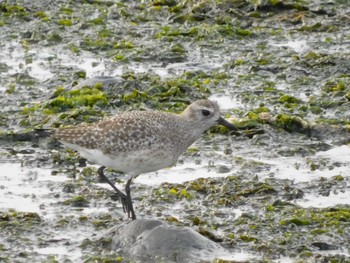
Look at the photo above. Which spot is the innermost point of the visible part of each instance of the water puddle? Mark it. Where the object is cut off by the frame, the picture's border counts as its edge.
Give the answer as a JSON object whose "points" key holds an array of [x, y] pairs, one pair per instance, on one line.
{"points": [[23, 189], [299, 46], [180, 174], [227, 102]]}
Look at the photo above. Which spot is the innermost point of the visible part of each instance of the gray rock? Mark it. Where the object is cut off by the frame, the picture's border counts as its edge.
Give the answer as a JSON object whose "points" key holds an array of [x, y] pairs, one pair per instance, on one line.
{"points": [[106, 82], [221, 169], [147, 240]]}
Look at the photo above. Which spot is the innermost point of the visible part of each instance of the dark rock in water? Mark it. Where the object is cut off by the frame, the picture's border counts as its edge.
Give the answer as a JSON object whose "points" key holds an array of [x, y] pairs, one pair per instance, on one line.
{"points": [[221, 169], [324, 246], [146, 239]]}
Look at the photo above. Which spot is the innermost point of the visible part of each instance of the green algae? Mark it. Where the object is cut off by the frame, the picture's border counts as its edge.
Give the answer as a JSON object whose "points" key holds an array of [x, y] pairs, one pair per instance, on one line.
{"points": [[295, 221], [106, 259], [288, 99], [181, 194], [103, 222], [23, 219], [245, 238], [77, 201], [209, 234], [85, 97], [43, 15], [258, 190], [13, 10], [89, 102], [69, 188], [16, 227], [11, 89], [291, 123], [201, 32], [211, 28], [65, 22], [173, 193]]}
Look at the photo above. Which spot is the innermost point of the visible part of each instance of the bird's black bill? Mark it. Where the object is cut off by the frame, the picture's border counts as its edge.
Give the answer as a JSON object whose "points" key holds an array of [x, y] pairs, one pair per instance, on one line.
{"points": [[227, 124]]}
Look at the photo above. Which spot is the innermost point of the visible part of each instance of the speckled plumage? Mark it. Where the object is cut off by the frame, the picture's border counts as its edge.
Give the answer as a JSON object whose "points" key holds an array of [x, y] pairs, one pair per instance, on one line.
{"points": [[141, 141]]}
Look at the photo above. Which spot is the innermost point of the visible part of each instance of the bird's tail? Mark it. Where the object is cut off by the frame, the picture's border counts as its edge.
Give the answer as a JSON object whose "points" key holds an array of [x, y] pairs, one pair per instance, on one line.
{"points": [[32, 135]]}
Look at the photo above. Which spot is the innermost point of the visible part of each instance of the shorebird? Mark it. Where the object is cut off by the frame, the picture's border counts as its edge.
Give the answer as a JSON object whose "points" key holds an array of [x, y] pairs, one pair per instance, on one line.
{"points": [[138, 142]]}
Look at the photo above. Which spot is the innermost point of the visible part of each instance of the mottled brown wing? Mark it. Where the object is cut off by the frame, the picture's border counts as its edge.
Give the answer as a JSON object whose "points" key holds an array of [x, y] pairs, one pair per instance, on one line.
{"points": [[132, 131], [125, 132], [83, 135]]}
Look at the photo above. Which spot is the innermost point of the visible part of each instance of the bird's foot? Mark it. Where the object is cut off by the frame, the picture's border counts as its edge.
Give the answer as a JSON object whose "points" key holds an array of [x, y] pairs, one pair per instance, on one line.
{"points": [[125, 199]]}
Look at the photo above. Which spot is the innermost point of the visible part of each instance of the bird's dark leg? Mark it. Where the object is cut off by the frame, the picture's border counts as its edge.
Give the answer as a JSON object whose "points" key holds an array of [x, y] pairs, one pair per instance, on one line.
{"points": [[124, 198], [129, 205]]}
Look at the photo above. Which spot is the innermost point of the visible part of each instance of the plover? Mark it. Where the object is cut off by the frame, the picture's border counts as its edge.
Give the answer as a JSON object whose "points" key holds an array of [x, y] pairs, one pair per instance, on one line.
{"points": [[138, 142]]}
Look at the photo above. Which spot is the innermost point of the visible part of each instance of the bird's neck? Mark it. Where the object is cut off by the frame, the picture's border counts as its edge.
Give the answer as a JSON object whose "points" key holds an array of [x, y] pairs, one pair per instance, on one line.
{"points": [[188, 131]]}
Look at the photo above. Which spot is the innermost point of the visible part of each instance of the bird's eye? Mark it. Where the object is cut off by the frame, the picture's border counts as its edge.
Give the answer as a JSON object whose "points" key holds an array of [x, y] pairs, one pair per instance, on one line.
{"points": [[205, 112]]}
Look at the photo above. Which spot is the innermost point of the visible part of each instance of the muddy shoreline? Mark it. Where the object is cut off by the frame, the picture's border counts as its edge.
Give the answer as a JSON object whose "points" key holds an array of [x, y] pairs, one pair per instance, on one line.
{"points": [[277, 191]]}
